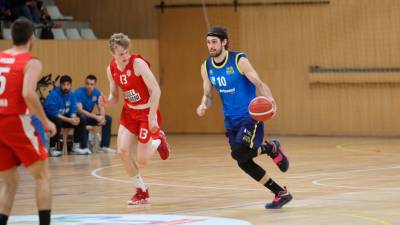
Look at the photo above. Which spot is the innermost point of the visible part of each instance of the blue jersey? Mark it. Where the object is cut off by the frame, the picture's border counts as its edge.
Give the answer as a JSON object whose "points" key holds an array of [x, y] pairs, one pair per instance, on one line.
{"points": [[88, 101], [56, 103], [235, 90]]}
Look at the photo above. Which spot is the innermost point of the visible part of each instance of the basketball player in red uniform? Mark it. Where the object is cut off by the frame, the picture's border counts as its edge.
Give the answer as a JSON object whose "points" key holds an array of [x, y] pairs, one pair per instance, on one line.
{"points": [[140, 117], [19, 141]]}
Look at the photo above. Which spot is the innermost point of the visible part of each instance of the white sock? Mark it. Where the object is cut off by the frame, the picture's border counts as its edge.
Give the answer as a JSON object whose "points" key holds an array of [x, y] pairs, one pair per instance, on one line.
{"points": [[138, 182], [155, 143]]}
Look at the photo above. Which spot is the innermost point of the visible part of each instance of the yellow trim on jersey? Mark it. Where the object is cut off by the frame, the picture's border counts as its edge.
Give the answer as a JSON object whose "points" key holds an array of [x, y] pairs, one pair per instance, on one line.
{"points": [[223, 64], [237, 62], [254, 135], [205, 67]]}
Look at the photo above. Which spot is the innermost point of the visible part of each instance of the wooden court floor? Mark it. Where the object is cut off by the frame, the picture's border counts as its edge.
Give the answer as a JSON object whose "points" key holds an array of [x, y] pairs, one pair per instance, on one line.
{"points": [[334, 180]]}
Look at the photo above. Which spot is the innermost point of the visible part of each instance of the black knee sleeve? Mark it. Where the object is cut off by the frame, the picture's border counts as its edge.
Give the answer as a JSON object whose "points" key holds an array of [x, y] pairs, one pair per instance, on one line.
{"points": [[252, 169], [242, 153]]}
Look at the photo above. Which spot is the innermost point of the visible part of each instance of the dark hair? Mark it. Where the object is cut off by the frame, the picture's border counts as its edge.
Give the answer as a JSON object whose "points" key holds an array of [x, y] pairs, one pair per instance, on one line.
{"points": [[21, 31], [65, 78], [219, 32], [91, 77]]}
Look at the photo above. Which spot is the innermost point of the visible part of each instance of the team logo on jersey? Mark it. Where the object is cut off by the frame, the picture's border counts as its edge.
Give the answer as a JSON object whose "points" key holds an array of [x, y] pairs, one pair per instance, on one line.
{"points": [[94, 98], [128, 73], [213, 80], [132, 96], [211, 72], [229, 70]]}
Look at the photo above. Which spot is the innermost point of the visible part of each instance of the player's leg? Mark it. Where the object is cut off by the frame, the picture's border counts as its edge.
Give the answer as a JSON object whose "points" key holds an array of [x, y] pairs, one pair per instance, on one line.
{"points": [[125, 140], [274, 150], [7, 192], [28, 148], [41, 174], [245, 145]]}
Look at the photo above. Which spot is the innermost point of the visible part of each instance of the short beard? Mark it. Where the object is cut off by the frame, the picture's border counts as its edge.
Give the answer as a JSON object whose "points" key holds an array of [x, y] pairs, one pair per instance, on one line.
{"points": [[216, 54], [65, 91]]}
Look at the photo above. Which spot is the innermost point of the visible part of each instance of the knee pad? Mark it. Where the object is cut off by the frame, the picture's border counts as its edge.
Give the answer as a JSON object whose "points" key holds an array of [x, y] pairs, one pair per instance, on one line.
{"points": [[252, 169], [242, 153]]}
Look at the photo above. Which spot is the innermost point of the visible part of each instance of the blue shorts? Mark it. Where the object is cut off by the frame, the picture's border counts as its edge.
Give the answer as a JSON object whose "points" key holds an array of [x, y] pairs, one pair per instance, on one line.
{"points": [[248, 132]]}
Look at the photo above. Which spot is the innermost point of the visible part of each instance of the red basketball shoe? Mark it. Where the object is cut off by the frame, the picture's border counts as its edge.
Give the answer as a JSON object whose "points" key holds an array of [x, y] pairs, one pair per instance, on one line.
{"points": [[140, 197], [163, 148]]}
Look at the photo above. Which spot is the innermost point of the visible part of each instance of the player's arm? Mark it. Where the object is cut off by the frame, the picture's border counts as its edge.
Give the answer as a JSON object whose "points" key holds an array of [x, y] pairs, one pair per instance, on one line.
{"points": [[206, 100], [251, 74], [149, 79], [113, 96], [84, 112], [32, 73]]}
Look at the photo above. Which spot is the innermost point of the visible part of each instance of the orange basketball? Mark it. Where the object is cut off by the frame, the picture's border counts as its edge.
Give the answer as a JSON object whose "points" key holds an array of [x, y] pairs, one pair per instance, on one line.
{"points": [[261, 108]]}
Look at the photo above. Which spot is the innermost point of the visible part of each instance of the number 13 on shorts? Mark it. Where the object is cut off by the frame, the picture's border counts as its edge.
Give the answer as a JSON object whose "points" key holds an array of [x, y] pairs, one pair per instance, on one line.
{"points": [[143, 133]]}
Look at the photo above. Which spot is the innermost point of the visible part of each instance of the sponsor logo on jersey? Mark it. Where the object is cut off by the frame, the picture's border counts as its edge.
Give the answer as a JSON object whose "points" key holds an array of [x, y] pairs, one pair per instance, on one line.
{"points": [[7, 60], [94, 98], [132, 96], [128, 73], [211, 72], [232, 90], [229, 70], [125, 219]]}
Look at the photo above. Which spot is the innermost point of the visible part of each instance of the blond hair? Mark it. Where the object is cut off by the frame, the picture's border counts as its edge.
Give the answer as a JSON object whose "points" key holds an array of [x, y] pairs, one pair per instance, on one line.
{"points": [[119, 39]]}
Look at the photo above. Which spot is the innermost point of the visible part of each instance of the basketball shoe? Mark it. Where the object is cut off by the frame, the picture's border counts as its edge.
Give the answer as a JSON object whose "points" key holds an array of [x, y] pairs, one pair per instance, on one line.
{"points": [[282, 198], [163, 149], [277, 155], [140, 197]]}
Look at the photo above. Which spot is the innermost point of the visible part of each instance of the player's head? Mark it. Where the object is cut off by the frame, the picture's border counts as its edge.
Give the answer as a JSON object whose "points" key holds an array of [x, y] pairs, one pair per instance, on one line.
{"points": [[65, 84], [90, 82], [22, 32], [119, 46], [217, 41]]}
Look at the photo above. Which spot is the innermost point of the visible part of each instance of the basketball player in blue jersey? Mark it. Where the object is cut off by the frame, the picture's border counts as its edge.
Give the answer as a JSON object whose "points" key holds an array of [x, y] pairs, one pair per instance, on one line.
{"points": [[236, 81]]}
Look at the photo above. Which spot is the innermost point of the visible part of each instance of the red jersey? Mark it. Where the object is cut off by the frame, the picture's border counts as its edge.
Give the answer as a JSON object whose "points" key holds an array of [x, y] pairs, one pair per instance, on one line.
{"points": [[11, 81], [132, 85]]}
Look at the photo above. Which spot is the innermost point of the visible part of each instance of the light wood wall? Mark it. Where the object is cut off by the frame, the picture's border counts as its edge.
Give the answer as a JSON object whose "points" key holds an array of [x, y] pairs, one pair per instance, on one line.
{"points": [[137, 18], [80, 58], [345, 33]]}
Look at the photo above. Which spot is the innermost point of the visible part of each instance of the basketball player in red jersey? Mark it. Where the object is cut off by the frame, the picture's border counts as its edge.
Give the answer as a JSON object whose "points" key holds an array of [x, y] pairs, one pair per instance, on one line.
{"points": [[19, 141], [140, 117]]}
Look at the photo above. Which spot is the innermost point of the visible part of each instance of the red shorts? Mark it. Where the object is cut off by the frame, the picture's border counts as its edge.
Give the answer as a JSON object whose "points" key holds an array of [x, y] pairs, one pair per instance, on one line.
{"points": [[19, 142], [136, 121]]}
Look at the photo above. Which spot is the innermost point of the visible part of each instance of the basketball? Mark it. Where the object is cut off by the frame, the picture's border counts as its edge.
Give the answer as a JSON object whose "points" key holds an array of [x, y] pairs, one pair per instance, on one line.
{"points": [[261, 108]]}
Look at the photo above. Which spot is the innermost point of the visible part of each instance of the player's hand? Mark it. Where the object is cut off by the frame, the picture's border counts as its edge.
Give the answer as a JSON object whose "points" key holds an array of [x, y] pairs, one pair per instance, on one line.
{"points": [[101, 120], [153, 123], [274, 106], [201, 110], [50, 128], [103, 100], [75, 121]]}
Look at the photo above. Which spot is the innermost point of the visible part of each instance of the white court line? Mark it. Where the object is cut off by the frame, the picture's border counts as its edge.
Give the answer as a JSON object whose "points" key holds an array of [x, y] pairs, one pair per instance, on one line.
{"points": [[95, 174], [319, 183], [345, 171]]}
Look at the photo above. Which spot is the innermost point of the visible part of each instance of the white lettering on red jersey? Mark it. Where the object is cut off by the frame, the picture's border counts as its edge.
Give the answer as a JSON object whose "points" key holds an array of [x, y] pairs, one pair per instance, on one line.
{"points": [[11, 81], [132, 84]]}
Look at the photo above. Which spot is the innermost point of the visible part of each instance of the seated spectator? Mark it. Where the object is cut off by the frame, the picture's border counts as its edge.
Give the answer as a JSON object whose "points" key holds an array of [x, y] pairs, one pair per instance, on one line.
{"points": [[60, 107], [24, 8], [87, 98]]}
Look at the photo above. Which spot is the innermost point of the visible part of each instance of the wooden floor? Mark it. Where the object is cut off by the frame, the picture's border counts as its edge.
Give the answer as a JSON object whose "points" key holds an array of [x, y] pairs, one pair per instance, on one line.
{"points": [[333, 181]]}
